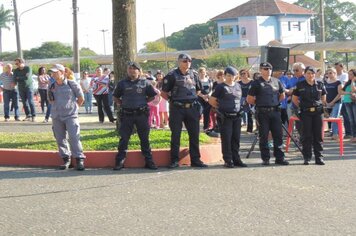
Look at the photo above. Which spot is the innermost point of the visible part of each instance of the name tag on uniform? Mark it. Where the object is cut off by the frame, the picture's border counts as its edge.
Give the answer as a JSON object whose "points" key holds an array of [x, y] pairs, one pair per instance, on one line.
{"points": [[187, 105], [312, 109]]}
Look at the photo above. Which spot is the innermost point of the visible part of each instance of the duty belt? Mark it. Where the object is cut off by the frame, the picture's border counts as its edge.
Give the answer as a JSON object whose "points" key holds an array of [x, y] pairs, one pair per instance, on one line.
{"points": [[267, 109], [134, 111], [184, 104], [231, 114], [312, 109]]}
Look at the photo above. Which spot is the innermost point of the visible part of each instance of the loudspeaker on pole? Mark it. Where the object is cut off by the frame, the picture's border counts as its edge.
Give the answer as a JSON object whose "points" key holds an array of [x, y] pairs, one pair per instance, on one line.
{"points": [[277, 56]]}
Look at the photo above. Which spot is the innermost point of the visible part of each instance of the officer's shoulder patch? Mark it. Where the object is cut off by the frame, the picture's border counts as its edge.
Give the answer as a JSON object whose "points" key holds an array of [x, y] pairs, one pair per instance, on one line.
{"points": [[165, 80]]}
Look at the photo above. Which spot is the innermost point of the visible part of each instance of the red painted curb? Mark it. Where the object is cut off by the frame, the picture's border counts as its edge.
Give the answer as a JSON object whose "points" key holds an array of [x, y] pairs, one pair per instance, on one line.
{"points": [[104, 159]]}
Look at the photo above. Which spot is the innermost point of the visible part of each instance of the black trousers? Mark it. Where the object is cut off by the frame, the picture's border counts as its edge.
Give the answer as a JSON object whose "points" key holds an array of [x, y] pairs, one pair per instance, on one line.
{"points": [[143, 131], [312, 136], [206, 113], [103, 102], [270, 121], [230, 131], [190, 117], [284, 116]]}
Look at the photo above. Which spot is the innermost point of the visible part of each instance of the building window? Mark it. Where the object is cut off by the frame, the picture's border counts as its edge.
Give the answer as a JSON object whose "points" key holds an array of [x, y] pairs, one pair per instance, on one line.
{"points": [[237, 29], [312, 26], [227, 30], [243, 31], [294, 26]]}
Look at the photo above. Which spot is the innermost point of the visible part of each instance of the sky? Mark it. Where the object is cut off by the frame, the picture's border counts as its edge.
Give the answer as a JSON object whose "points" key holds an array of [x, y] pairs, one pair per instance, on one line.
{"points": [[53, 21]]}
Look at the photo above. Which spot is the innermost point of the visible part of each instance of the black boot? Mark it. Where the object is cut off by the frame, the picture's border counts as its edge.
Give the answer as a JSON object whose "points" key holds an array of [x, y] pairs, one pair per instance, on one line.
{"points": [[229, 164], [150, 164], [119, 163], [238, 162], [66, 165], [319, 161], [281, 161], [80, 164], [174, 163], [197, 163]]}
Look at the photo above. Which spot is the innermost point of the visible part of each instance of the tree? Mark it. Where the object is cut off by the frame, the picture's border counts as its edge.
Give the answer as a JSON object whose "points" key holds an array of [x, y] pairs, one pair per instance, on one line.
{"points": [[340, 23], [5, 18], [123, 37], [84, 52], [156, 46], [221, 60], [88, 64], [190, 37], [340, 19], [49, 50]]}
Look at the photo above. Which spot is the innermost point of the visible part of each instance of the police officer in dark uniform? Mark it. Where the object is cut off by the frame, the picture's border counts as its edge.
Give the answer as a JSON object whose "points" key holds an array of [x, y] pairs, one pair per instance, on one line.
{"points": [[226, 99], [266, 93], [309, 96], [131, 95], [182, 87]]}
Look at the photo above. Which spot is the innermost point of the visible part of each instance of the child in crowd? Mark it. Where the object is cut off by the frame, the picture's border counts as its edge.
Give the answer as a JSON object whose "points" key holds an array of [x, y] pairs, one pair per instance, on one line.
{"points": [[154, 107]]}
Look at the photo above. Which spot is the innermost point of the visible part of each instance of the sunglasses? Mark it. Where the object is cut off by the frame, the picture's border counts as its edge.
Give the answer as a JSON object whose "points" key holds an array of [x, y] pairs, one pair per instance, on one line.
{"points": [[186, 61], [266, 68]]}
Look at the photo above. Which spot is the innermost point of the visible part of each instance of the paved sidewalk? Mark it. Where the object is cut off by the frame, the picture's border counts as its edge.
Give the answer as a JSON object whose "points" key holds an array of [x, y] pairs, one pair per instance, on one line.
{"points": [[274, 200]]}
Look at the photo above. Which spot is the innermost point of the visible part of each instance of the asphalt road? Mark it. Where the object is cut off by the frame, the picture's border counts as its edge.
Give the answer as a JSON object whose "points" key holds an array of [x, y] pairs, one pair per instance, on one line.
{"points": [[274, 200]]}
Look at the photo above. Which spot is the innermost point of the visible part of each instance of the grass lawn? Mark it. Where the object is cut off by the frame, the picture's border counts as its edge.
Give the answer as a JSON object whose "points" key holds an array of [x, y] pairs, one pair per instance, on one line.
{"points": [[92, 140]]}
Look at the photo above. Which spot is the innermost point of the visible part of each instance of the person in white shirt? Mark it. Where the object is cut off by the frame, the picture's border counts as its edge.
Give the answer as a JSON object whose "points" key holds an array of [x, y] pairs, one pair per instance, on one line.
{"points": [[343, 78]]}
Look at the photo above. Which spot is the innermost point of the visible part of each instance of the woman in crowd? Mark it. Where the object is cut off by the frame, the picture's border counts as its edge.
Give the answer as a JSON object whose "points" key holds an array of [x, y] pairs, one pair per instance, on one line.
{"points": [[69, 74], [213, 117], [206, 90], [245, 83], [43, 82], [349, 100], [100, 85], [333, 101], [88, 92]]}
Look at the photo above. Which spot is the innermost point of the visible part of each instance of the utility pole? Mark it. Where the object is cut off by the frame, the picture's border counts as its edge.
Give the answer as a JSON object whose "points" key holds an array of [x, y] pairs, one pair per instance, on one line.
{"points": [[76, 62], [104, 30], [322, 34], [17, 28]]}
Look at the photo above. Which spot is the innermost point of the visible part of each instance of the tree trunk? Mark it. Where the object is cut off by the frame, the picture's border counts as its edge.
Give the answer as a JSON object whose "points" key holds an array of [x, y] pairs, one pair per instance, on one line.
{"points": [[124, 35], [124, 38]]}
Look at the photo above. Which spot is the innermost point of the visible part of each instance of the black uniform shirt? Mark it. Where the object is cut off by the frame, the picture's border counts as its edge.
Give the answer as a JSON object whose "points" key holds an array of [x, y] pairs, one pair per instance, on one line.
{"points": [[266, 92], [228, 97], [309, 95], [170, 79], [134, 93]]}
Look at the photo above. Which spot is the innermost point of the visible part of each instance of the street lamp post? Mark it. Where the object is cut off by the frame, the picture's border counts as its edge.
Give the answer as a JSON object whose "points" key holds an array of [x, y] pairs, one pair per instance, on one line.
{"points": [[104, 30]]}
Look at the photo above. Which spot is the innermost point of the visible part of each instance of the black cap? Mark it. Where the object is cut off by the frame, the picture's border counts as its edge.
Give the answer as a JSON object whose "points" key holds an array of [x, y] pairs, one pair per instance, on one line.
{"points": [[184, 56], [230, 70], [266, 65], [134, 64], [310, 68]]}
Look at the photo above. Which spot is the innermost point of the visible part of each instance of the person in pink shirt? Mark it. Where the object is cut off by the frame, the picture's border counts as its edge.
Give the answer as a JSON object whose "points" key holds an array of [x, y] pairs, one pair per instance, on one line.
{"points": [[154, 108], [43, 82]]}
